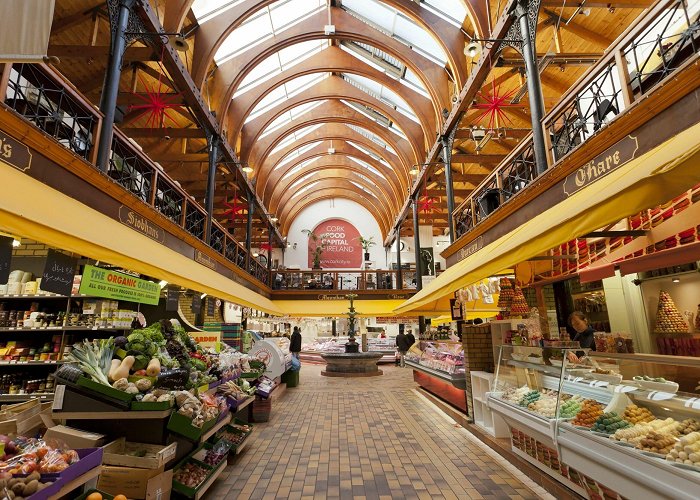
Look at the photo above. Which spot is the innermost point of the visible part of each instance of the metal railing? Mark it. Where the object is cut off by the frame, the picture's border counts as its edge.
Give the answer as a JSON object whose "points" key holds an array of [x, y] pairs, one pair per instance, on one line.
{"points": [[337, 280], [657, 44], [47, 100]]}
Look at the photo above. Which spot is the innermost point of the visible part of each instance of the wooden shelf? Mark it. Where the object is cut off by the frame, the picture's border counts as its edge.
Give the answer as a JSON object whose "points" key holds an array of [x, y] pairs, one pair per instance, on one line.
{"points": [[18, 398], [107, 415], [203, 489], [245, 403], [76, 483], [215, 429]]}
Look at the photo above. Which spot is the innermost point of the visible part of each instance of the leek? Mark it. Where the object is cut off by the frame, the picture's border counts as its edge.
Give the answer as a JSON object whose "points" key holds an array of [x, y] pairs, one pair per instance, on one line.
{"points": [[94, 358]]}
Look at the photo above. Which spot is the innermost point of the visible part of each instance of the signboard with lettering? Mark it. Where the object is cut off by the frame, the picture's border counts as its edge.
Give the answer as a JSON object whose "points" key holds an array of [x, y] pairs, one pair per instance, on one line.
{"points": [[600, 166], [342, 248], [58, 273], [172, 299], [456, 310], [99, 282], [138, 222], [5, 258], [204, 259], [196, 303], [15, 153]]}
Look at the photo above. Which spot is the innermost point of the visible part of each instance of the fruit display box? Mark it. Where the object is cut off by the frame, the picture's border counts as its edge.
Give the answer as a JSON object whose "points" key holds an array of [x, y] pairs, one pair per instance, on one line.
{"points": [[182, 425], [150, 405], [120, 452], [89, 459], [105, 389], [203, 485], [105, 496], [232, 435]]}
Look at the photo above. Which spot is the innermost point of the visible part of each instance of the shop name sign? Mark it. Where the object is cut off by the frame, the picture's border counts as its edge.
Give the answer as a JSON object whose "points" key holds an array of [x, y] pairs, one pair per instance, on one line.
{"points": [[613, 158], [99, 282], [473, 247], [15, 153], [204, 259], [136, 221]]}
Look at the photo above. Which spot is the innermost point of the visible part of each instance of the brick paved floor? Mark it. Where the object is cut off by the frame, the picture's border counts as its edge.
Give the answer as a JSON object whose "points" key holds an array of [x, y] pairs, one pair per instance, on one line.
{"points": [[374, 438]]}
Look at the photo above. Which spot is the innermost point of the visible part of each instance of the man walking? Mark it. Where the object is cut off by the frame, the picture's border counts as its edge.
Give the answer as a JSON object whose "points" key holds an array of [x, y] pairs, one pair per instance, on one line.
{"points": [[402, 345], [295, 342]]}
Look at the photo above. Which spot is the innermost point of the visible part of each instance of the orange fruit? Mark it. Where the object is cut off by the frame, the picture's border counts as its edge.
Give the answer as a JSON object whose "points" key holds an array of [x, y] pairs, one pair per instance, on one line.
{"points": [[95, 495], [120, 497]]}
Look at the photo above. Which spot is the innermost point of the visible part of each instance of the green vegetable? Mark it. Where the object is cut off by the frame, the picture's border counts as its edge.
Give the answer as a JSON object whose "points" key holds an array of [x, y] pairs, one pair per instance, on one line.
{"points": [[141, 362], [94, 358], [136, 337]]}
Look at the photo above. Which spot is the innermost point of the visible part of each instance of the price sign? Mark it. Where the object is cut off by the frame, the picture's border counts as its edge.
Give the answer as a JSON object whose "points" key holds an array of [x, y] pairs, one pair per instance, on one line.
{"points": [[598, 383], [196, 303], [58, 273], [210, 306], [5, 258], [172, 299]]}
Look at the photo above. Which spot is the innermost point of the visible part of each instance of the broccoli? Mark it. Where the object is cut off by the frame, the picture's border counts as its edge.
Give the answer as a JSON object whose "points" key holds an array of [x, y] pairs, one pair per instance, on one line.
{"points": [[120, 342]]}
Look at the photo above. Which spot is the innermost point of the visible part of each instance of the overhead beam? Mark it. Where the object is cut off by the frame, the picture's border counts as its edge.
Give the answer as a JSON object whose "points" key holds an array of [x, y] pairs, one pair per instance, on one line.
{"points": [[175, 133], [591, 36], [100, 52], [61, 25], [566, 59], [477, 158], [598, 4], [127, 99]]}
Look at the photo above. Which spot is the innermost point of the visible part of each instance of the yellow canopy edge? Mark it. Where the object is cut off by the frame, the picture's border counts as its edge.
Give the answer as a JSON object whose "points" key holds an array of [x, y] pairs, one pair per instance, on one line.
{"points": [[33, 210], [324, 308], [652, 179]]}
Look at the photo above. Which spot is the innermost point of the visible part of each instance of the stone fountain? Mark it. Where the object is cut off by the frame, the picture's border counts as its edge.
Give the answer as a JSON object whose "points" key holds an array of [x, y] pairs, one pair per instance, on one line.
{"points": [[352, 363]]}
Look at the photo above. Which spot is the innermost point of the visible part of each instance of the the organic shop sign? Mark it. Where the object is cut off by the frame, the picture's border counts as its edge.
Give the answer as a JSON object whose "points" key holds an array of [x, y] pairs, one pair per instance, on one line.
{"points": [[600, 166], [342, 247], [99, 282], [138, 222], [15, 153]]}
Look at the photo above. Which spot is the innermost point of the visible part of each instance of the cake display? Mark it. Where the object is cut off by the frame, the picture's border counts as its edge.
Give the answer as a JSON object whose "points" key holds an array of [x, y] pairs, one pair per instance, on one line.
{"points": [[506, 296], [668, 319], [518, 305]]}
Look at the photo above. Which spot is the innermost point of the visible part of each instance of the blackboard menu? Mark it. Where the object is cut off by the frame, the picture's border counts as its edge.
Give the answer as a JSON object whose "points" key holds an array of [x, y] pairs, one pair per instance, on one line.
{"points": [[172, 299], [5, 258], [211, 302], [196, 303], [58, 273]]}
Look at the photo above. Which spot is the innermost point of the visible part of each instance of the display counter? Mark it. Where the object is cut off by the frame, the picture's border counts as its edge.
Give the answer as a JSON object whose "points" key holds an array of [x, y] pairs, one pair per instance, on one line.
{"points": [[603, 424], [438, 367]]}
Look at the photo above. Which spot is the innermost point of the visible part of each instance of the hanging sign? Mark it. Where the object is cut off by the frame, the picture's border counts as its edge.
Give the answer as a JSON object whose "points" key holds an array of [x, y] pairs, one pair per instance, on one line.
{"points": [[5, 258], [342, 248], [210, 306], [196, 303], [456, 310], [99, 282], [172, 299], [58, 273]]}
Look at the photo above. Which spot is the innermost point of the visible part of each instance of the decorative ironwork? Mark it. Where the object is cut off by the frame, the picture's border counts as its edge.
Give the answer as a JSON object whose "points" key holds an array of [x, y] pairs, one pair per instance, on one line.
{"points": [[514, 36], [134, 28], [218, 239], [588, 112], [51, 108], [669, 41], [519, 173], [130, 170], [464, 221], [230, 250], [168, 200], [195, 220], [482, 201]]}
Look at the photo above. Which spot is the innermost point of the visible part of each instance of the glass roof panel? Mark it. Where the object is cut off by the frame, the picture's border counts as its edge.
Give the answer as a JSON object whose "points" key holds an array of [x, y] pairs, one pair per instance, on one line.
{"points": [[393, 23], [297, 153], [360, 186], [382, 93], [290, 115], [367, 166], [371, 153], [206, 9], [372, 137], [284, 92], [304, 189], [299, 167], [452, 11], [280, 61], [295, 136]]}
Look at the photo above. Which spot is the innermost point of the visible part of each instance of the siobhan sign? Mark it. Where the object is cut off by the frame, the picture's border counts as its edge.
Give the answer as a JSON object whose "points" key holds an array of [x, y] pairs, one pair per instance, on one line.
{"points": [[342, 246]]}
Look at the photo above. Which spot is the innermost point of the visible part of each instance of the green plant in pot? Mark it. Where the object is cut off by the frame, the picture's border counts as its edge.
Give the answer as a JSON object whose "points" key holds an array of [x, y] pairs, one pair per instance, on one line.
{"points": [[317, 249], [367, 243]]}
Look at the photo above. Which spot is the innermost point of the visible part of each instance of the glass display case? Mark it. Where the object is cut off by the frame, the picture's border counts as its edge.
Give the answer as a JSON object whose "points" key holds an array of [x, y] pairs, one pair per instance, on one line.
{"points": [[603, 423], [438, 367]]}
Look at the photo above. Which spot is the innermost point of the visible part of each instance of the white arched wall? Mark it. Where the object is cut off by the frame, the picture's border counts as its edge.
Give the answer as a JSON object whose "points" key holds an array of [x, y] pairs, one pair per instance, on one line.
{"points": [[339, 208]]}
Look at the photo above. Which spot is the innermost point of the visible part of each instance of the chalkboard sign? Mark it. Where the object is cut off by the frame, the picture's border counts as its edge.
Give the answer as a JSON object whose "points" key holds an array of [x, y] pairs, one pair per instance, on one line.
{"points": [[211, 302], [5, 258], [196, 303], [172, 299], [58, 273]]}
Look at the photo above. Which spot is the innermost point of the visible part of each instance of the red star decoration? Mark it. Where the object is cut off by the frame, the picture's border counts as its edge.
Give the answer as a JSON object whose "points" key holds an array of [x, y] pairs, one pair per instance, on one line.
{"points": [[156, 104], [235, 209], [425, 204], [494, 106], [266, 247]]}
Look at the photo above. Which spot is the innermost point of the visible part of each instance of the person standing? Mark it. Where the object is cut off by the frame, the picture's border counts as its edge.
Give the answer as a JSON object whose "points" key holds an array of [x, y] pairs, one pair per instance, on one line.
{"points": [[402, 346], [583, 334], [411, 339], [295, 342]]}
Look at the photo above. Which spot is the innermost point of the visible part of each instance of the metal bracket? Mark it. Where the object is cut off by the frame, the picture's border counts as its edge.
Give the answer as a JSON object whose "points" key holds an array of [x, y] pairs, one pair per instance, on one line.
{"points": [[135, 29], [514, 37]]}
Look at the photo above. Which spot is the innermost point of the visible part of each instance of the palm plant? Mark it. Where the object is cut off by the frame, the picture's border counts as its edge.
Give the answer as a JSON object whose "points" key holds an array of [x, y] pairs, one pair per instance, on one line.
{"points": [[319, 246]]}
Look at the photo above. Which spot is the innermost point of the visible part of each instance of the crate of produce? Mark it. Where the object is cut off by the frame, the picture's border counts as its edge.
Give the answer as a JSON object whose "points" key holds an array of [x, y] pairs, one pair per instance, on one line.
{"points": [[151, 405], [106, 390], [212, 454], [234, 434], [192, 478], [182, 425], [143, 456], [90, 494]]}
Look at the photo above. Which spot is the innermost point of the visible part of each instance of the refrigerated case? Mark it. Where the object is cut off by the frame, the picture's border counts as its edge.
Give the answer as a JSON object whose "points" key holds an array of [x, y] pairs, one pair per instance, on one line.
{"points": [[438, 367], [275, 353], [605, 424]]}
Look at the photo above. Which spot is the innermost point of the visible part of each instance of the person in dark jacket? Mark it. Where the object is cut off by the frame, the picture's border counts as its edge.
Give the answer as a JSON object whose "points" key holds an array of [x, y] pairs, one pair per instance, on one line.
{"points": [[402, 345], [295, 342], [411, 339], [583, 333]]}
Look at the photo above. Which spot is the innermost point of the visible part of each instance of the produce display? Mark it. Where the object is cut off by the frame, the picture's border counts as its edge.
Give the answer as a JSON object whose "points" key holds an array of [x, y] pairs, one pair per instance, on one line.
{"points": [[609, 423], [232, 389], [571, 407], [590, 411], [217, 453], [636, 415], [191, 475], [668, 319], [233, 437], [23, 487], [686, 450], [23, 455], [199, 408], [656, 442]]}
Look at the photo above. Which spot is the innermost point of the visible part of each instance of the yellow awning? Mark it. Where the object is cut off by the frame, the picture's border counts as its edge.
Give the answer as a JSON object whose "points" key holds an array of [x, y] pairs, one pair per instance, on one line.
{"points": [[323, 308], [652, 179], [33, 210]]}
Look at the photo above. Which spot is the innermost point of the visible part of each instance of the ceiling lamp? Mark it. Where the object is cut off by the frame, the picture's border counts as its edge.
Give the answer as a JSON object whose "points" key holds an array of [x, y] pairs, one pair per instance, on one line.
{"points": [[414, 171], [179, 43], [273, 218], [472, 49], [248, 169]]}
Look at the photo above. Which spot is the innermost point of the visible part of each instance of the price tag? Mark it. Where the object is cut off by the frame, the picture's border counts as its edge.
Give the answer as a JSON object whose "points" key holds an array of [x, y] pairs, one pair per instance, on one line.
{"points": [[598, 383], [59, 392], [624, 389], [660, 396]]}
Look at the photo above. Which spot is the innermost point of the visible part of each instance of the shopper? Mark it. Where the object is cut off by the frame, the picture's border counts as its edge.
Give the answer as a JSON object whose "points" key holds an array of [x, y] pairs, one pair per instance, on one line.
{"points": [[402, 345], [583, 332], [295, 342], [411, 339]]}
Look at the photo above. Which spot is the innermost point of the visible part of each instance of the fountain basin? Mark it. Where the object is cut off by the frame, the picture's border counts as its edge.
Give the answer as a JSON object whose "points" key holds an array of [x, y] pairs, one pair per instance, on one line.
{"points": [[361, 364]]}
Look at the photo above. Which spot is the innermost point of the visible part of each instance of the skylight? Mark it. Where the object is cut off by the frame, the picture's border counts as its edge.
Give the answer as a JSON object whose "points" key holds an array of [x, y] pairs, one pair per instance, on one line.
{"points": [[367, 166], [280, 61], [382, 93], [296, 153], [266, 23], [370, 153], [398, 26], [288, 116], [284, 92], [302, 179], [376, 117], [360, 186], [452, 11], [304, 189], [295, 136], [372, 137], [299, 167]]}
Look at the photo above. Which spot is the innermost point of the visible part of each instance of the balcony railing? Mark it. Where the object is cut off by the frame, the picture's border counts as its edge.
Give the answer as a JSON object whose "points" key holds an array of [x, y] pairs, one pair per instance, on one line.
{"points": [[314, 280], [647, 54], [47, 100]]}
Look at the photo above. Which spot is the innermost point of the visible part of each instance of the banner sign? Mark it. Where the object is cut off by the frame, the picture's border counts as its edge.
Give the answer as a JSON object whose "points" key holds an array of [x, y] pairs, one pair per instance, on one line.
{"points": [[342, 248], [99, 282]]}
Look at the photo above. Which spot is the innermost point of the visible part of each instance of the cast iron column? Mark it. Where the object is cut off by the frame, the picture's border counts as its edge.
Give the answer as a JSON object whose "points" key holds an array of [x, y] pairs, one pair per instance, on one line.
{"points": [[269, 251], [399, 272], [534, 87], [449, 191], [211, 185], [108, 101], [416, 243], [249, 231]]}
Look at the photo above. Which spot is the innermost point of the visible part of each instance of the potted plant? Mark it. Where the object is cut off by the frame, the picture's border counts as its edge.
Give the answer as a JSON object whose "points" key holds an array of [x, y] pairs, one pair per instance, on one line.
{"points": [[317, 250], [366, 244]]}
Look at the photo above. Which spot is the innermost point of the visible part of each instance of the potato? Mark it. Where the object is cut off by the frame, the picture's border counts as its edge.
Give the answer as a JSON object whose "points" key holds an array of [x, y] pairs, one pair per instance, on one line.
{"points": [[14, 481], [18, 488], [34, 475], [30, 488], [10, 494]]}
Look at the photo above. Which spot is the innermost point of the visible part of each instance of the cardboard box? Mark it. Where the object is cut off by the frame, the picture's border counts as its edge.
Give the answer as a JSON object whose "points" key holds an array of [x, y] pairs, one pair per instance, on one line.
{"points": [[74, 438], [156, 456], [137, 484]]}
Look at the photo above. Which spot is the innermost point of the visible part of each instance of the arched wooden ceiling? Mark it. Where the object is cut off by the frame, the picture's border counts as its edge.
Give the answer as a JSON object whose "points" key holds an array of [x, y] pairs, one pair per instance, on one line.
{"points": [[393, 135]]}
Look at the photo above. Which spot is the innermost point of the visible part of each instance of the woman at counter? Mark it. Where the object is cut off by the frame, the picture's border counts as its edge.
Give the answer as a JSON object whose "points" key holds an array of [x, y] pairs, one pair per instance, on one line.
{"points": [[583, 333]]}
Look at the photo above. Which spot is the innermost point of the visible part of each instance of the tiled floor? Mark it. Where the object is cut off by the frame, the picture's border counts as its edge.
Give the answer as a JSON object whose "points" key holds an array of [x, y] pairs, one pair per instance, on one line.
{"points": [[366, 438]]}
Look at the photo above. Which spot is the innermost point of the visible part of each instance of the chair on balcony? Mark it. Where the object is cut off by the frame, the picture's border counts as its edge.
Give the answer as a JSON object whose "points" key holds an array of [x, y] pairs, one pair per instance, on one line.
{"points": [[604, 108]]}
